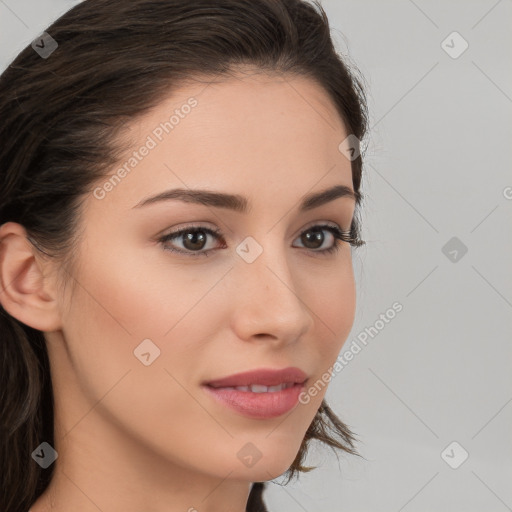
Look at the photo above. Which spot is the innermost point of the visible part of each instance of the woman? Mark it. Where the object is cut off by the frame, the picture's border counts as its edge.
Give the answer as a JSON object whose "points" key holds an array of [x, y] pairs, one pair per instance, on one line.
{"points": [[138, 137]]}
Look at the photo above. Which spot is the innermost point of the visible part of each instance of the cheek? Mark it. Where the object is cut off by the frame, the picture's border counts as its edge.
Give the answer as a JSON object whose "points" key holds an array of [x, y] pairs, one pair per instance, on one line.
{"points": [[333, 304], [135, 296], [332, 300], [120, 304]]}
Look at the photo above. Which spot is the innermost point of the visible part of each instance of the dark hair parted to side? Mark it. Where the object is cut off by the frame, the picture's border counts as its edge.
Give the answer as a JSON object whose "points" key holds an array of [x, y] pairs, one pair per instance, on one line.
{"points": [[60, 121]]}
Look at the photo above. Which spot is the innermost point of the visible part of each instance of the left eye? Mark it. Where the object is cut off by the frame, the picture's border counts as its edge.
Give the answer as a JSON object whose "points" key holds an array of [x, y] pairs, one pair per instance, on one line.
{"points": [[196, 238]]}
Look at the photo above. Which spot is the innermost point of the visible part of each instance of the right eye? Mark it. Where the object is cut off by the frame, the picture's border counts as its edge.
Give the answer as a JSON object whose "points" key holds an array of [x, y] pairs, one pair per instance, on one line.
{"points": [[196, 239]]}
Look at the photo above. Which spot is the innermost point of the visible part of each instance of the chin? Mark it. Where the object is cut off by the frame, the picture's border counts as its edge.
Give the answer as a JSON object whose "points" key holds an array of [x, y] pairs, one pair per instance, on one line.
{"points": [[260, 472], [266, 463]]}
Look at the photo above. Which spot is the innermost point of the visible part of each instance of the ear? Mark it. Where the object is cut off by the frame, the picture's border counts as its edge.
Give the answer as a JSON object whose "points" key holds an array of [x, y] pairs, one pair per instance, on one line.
{"points": [[26, 293]]}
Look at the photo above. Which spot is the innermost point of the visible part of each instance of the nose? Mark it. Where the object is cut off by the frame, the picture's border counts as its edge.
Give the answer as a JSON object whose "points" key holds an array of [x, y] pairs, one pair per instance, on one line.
{"points": [[267, 302]]}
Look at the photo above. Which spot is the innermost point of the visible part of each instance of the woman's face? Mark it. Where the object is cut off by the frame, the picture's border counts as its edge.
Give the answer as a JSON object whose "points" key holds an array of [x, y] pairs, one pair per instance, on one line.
{"points": [[146, 327]]}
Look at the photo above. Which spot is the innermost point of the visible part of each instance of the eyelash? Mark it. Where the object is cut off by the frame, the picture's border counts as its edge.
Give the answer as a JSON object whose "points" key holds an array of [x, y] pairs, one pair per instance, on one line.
{"points": [[339, 236]]}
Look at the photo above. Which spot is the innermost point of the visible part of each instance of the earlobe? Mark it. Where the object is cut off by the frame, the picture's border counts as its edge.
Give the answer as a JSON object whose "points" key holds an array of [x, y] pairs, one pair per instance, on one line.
{"points": [[25, 293]]}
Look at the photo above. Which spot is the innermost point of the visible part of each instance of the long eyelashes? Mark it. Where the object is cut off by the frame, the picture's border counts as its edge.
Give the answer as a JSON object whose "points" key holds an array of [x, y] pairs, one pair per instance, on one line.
{"points": [[339, 237]]}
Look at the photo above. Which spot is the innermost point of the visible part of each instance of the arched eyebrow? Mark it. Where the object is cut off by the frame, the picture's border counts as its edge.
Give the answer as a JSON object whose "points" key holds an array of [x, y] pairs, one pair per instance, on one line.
{"points": [[241, 204]]}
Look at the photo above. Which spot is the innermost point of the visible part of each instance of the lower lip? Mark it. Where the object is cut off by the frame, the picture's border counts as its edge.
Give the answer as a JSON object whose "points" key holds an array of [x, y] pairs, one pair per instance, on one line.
{"points": [[270, 404]]}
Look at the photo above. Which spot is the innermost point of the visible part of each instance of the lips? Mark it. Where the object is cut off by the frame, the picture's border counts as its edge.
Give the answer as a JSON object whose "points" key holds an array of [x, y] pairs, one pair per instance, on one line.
{"points": [[259, 394], [261, 380]]}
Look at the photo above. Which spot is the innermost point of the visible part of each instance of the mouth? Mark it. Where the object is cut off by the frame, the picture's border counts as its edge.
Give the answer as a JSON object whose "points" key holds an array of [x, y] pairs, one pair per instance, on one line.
{"points": [[259, 394], [257, 388], [261, 380]]}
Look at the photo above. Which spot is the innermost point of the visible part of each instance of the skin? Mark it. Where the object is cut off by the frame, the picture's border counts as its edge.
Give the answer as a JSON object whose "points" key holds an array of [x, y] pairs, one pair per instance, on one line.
{"points": [[132, 437]]}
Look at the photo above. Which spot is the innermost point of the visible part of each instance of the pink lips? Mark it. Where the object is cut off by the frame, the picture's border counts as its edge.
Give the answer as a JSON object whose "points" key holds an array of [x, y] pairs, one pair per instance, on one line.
{"points": [[263, 376], [259, 403]]}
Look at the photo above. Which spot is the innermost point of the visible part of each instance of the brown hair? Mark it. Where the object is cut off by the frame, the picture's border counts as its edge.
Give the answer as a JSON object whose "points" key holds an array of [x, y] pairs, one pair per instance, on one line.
{"points": [[59, 121]]}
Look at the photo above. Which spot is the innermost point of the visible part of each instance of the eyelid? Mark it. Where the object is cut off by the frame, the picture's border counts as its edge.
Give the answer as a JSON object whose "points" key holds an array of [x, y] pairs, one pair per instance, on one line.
{"points": [[323, 223]]}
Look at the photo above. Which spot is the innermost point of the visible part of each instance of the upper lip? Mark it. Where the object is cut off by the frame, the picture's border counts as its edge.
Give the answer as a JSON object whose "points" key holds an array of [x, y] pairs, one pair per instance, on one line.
{"points": [[261, 376]]}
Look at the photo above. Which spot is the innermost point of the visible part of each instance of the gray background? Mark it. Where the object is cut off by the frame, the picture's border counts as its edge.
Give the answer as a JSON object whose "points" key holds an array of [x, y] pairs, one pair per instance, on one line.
{"points": [[437, 166]]}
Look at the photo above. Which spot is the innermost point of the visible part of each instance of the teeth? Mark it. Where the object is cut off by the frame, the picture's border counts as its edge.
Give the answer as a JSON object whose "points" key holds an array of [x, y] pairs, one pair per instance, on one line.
{"points": [[279, 387], [259, 388]]}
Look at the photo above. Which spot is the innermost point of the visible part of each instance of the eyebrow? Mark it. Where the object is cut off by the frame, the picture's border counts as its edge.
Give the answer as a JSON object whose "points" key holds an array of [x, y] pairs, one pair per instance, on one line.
{"points": [[240, 203]]}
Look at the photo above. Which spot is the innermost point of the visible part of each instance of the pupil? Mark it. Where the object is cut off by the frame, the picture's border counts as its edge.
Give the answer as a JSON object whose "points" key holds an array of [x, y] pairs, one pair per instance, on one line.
{"points": [[192, 237], [312, 236]]}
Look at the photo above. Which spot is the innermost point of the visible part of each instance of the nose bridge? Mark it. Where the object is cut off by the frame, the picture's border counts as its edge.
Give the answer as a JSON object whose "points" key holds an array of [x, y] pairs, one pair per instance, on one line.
{"points": [[264, 262]]}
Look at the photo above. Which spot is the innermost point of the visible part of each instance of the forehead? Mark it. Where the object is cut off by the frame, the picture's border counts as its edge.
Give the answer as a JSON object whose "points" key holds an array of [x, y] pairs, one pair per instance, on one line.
{"points": [[245, 134], [259, 104]]}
